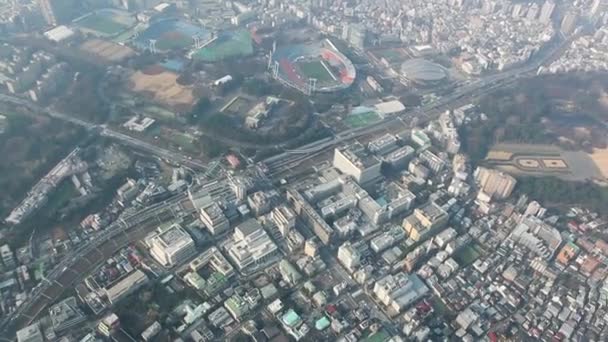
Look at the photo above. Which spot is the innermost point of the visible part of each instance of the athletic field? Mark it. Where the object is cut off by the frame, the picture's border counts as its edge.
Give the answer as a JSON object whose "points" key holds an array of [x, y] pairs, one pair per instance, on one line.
{"points": [[362, 119], [227, 45], [314, 69], [106, 23], [171, 34]]}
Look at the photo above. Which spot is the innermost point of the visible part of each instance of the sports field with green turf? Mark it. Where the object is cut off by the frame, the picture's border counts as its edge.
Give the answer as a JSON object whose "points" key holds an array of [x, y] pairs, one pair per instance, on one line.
{"points": [[361, 120], [314, 69], [101, 24], [228, 45], [173, 41]]}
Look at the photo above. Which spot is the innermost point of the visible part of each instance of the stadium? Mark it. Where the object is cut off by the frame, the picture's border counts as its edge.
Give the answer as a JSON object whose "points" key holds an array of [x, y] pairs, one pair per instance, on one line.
{"points": [[310, 68], [172, 34]]}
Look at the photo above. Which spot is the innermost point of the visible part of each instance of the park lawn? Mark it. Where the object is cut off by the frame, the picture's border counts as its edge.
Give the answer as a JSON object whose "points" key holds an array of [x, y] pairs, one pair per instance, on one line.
{"points": [[185, 141], [315, 69]]}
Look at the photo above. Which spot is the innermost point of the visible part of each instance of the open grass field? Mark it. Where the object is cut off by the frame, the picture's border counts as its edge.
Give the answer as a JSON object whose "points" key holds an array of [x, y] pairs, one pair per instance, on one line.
{"points": [[361, 120], [184, 141], [102, 24], [230, 45], [314, 69]]}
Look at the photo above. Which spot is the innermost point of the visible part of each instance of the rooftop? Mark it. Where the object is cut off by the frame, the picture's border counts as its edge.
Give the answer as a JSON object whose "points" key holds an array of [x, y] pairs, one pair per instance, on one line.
{"points": [[173, 237], [431, 211], [359, 156], [422, 70], [291, 318]]}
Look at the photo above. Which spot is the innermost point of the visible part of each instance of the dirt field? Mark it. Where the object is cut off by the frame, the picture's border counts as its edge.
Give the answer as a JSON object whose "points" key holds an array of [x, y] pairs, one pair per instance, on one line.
{"points": [[499, 155], [107, 50], [555, 163], [529, 163], [600, 158], [163, 87]]}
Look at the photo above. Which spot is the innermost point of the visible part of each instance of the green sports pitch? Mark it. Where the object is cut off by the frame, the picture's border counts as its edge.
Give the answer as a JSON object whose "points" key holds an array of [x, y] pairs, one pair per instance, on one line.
{"points": [[174, 41], [314, 69], [236, 44], [361, 120], [101, 24]]}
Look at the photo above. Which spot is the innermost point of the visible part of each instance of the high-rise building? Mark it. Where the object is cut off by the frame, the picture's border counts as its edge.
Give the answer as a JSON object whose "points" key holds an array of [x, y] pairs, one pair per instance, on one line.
{"points": [[250, 246], [66, 315], [546, 11], [284, 218], [355, 34], [400, 290], [356, 161], [495, 183], [213, 217], [383, 145], [538, 236], [108, 324], [424, 220], [46, 8], [126, 286], [569, 22], [58, 11], [533, 11], [517, 11], [599, 7], [349, 256], [171, 245], [432, 161], [30, 333], [311, 248], [8, 259]]}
